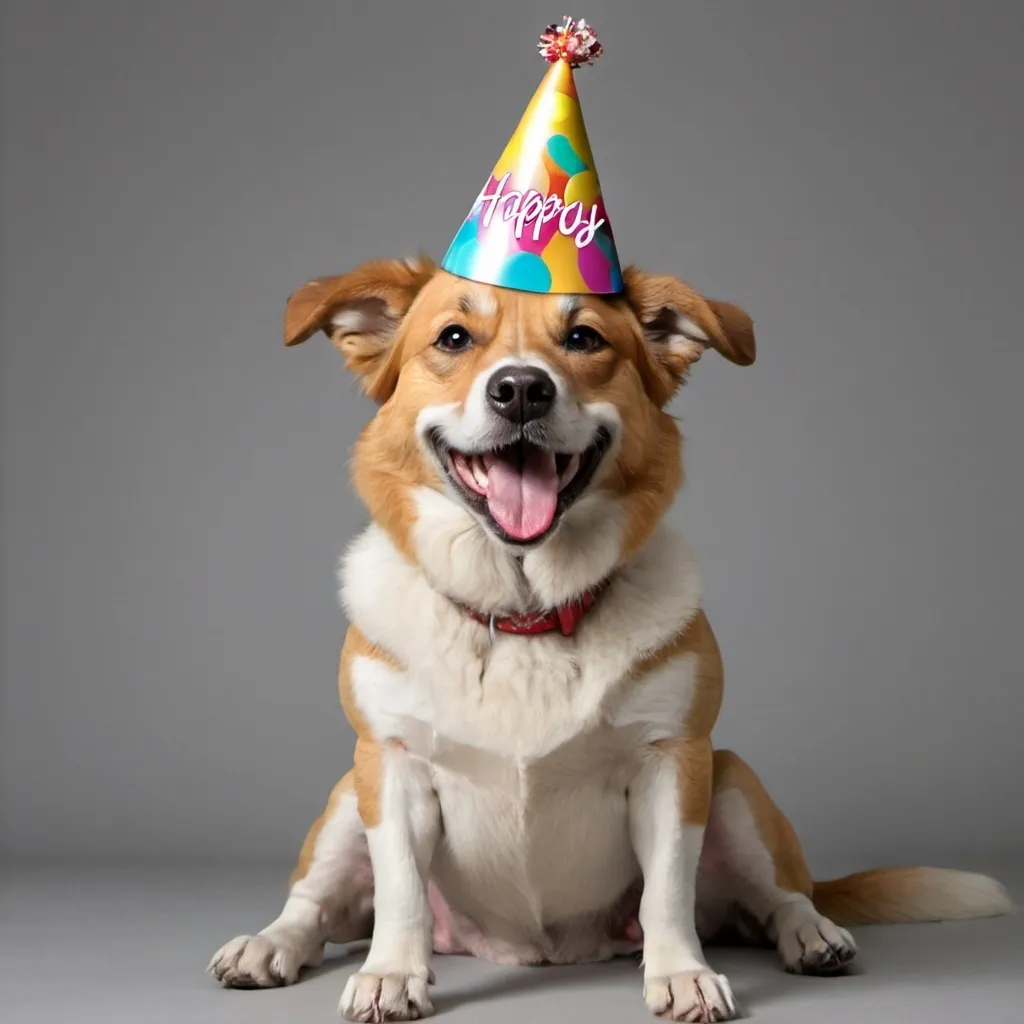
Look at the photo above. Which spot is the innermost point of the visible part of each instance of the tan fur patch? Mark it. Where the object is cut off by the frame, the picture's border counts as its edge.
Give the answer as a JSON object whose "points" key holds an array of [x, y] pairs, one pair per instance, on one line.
{"points": [[791, 871], [367, 772], [692, 749], [343, 788], [699, 640], [693, 764], [367, 767]]}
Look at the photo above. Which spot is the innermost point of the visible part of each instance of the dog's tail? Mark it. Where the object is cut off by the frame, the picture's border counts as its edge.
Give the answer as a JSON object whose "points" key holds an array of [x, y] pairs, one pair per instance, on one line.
{"points": [[904, 895]]}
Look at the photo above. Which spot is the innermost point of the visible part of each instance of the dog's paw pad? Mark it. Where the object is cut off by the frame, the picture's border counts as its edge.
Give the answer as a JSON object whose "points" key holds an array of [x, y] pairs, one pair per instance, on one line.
{"points": [[383, 997], [700, 996]]}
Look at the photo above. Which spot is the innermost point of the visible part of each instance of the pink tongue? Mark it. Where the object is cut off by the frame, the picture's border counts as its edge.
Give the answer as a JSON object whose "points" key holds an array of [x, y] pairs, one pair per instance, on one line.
{"points": [[523, 502]]}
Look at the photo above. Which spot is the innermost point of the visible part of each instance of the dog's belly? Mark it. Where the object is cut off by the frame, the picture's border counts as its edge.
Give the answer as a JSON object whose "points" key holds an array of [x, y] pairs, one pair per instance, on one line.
{"points": [[535, 862], [536, 865]]}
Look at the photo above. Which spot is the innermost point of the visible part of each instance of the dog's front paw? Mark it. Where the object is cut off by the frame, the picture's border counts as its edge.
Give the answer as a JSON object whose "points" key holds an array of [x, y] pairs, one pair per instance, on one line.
{"points": [[814, 945], [691, 996], [381, 997], [255, 961]]}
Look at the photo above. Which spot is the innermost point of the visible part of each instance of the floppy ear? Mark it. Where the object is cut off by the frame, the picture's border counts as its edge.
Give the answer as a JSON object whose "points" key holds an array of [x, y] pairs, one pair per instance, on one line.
{"points": [[679, 324], [360, 311]]}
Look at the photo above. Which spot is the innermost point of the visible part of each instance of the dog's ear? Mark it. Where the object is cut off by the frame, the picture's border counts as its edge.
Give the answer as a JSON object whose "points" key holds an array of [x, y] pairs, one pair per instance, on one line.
{"points": [[678, 325], [360, 311]]}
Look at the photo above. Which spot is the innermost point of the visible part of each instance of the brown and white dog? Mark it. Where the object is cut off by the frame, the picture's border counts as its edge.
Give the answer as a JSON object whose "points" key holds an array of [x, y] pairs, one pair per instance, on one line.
{"points": [[529, 672]]}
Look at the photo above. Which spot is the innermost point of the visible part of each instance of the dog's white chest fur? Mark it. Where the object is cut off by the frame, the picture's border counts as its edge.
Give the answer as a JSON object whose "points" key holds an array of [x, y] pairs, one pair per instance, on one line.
{"points": [[531, 739]]}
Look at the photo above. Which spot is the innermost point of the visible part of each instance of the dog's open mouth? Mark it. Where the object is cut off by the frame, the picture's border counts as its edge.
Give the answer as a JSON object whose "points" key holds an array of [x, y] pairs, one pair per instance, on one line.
{"points": [[522, 488]]}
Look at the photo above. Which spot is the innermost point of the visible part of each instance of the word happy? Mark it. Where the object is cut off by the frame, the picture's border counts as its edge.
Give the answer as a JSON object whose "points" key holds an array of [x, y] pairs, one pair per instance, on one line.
{"points": [[536, 210]]}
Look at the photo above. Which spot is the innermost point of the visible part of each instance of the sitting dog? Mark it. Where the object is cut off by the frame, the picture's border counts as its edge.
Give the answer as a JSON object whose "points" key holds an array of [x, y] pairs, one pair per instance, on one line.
{"points": [[529, 672]]}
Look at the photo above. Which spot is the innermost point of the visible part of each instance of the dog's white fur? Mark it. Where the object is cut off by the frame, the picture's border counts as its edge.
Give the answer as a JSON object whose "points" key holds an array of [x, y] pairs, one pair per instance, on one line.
{"points": [[514, 697], [533, 743]]}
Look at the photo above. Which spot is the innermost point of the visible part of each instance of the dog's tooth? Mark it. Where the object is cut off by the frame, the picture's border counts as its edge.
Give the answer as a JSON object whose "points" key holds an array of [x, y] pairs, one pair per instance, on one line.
{"points": [[479, 471], [570, 471]]}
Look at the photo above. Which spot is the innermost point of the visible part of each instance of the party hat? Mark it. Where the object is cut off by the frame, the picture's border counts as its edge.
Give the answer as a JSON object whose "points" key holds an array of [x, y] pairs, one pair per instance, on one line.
{"points": [[539, 224]]}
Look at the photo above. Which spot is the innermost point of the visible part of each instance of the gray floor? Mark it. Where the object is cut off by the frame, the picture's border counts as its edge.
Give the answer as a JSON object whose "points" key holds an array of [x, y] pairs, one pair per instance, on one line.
{"points": [[131, 945]]}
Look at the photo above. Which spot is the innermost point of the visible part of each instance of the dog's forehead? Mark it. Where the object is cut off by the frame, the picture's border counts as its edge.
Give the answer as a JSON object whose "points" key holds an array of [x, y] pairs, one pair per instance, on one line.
{"points": [[455, 299], [456, 295]]}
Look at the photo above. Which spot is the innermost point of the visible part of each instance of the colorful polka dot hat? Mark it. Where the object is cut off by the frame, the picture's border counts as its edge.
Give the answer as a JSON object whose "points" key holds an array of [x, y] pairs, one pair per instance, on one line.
{"points": [[540, 225]]}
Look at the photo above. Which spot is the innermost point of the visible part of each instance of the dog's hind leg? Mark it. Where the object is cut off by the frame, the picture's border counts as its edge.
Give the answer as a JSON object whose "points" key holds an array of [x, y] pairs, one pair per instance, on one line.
{"points": [[752, 860], [330, 900]]}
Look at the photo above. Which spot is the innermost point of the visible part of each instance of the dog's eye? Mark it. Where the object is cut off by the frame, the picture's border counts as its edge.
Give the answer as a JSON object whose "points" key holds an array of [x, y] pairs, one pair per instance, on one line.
{"points": [[454, 338], [583, 339]]}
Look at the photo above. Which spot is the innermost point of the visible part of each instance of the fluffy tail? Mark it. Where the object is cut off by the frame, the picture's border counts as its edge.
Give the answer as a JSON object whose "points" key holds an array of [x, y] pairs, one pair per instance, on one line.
{"points": [[903, 895]]}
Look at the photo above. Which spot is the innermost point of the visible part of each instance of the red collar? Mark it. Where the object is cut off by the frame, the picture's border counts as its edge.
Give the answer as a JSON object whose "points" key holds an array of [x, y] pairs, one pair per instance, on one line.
{"points": [[566, 617]]}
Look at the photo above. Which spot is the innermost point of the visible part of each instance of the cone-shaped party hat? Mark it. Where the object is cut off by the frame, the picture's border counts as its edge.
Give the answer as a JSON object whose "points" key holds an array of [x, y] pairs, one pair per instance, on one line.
{"points": [[540, 225]]}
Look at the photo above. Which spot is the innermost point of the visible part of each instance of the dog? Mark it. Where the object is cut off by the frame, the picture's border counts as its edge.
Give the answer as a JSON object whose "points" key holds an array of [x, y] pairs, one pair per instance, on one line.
{"points": [[529, 672]]}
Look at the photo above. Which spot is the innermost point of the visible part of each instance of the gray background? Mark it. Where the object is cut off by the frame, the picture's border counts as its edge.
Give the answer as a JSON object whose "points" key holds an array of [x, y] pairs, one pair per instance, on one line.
{"points": [[174, 480]]}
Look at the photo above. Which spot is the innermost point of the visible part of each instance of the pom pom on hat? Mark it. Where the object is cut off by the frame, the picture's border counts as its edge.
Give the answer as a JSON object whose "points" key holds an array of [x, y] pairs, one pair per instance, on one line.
{"points": [[575, 42]]}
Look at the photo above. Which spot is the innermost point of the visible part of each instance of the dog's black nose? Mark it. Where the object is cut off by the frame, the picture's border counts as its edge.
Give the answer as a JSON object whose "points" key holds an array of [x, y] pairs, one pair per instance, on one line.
{"points": [[521, 393]]}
